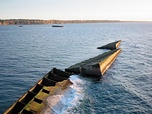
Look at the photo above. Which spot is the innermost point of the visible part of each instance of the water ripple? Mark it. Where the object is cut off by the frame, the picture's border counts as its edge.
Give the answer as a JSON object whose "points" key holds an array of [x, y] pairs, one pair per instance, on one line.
{"points": [[28, 53]]}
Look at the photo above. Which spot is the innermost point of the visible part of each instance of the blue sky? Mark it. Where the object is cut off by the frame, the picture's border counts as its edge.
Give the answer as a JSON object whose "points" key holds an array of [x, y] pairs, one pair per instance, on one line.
{"points": [[140, 10]]}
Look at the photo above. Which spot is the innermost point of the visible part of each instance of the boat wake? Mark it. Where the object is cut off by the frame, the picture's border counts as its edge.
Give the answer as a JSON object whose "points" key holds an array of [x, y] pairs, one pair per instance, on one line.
{"points": [[63, 101]]}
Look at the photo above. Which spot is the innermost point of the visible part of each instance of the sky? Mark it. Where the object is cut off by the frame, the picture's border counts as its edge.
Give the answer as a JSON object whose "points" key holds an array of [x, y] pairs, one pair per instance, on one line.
{"points": [[126, 10]]}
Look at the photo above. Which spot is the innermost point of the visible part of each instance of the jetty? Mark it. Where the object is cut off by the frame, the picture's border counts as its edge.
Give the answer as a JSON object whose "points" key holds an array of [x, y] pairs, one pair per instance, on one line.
{"points": [[113, 45], [95, 66], [34, 100]]}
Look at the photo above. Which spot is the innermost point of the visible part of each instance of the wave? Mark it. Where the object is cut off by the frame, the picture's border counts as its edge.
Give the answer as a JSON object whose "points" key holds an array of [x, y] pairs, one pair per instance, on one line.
{"points": [[63, 101]]}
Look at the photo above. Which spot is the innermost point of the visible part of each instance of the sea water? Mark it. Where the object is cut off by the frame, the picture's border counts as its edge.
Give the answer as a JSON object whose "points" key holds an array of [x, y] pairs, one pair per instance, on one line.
{"points": [[27, 53]]}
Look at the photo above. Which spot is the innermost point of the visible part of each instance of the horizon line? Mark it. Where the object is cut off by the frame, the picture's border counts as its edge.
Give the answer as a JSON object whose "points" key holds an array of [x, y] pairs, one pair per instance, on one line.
{"points": [[80, 20]]}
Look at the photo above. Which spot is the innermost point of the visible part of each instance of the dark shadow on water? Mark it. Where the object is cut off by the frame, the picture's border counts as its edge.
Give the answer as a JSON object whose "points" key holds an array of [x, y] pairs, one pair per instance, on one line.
{"points": [[92, 78]]}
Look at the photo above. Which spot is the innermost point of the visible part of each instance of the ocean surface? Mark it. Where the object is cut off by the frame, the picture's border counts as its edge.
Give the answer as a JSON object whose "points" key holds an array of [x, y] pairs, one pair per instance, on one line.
{"points": [[27, 53]]}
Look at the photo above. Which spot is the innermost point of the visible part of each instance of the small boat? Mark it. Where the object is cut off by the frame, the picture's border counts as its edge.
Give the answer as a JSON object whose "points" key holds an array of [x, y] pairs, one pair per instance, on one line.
{"points": [[20, 26], [57, 25], [96, 66], [33, 101], [113, 45]]}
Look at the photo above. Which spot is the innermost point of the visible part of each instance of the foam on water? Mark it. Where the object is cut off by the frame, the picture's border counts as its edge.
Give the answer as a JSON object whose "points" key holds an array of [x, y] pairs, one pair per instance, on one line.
{"points": [[63, 101], [28, 53]]}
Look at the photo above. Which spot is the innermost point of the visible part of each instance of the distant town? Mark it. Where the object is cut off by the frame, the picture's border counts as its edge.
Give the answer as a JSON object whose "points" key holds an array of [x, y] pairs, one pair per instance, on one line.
{"points": [[37, 21]]}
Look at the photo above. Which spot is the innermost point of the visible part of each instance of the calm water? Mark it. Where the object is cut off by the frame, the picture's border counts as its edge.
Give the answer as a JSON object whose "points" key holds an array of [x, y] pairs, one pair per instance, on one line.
{"points": [[27, 53]]}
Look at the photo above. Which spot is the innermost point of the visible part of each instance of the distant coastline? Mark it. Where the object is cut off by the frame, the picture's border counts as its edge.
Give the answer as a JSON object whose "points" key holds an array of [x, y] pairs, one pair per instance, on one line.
{"points": [[37, 21]]}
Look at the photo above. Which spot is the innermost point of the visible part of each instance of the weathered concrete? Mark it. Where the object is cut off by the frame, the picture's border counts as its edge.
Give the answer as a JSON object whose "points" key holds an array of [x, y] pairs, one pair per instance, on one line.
{"points": [[113, 45], [34, 100], [95, 66]]}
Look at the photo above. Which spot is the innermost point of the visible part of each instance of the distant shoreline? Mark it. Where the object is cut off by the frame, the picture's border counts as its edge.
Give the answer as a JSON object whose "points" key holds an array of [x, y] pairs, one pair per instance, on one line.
{"points": [[38, 21]]}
